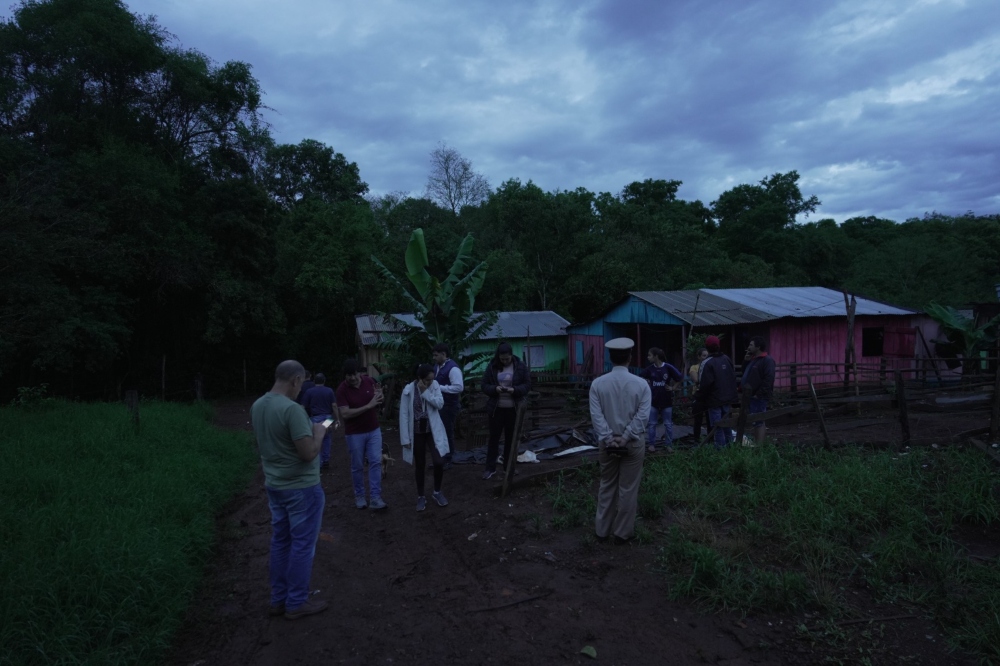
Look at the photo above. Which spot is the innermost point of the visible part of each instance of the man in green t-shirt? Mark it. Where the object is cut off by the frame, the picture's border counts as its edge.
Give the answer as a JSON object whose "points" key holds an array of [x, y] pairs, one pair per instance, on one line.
{"points": [[289, 444]]}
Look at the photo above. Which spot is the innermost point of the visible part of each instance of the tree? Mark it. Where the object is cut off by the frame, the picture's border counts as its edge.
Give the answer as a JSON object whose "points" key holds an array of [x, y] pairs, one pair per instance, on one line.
{"points": [[452, 182], [444, 308]]}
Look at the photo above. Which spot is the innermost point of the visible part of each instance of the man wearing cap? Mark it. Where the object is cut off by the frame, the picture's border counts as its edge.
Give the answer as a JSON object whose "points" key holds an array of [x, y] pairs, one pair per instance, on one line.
{"points": [[718, 390], [619, 411]]}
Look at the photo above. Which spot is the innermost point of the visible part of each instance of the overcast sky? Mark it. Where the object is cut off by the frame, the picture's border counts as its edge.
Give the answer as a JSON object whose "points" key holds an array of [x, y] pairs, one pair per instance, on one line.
{"points": [[885, 107]]}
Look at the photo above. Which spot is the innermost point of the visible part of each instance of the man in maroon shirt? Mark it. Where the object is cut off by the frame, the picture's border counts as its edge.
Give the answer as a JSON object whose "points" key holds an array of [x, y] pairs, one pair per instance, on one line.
{"points": [[358, 397]]}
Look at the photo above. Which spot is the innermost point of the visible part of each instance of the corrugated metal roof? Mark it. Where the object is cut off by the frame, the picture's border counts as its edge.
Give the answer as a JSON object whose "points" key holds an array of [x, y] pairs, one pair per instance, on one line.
{"points": [[804, 302], [698, 307], [727, 307], [542, 324]]}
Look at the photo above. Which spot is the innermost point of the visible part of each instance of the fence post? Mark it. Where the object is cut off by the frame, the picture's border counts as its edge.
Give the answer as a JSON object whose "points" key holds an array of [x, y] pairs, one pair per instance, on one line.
{"points": [[819, 413], [995, 414], [741, 422], [794, 378], [511, 463], [904, 415], [132, 405]]}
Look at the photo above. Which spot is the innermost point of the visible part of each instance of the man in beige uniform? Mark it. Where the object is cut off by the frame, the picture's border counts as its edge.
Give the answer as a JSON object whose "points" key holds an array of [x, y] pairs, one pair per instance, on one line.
{"points": [[619, 410]]}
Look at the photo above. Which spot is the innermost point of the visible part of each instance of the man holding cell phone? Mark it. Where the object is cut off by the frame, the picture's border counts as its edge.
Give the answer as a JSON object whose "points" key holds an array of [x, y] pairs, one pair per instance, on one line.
{"points": [[289, 445], [359, 398]]}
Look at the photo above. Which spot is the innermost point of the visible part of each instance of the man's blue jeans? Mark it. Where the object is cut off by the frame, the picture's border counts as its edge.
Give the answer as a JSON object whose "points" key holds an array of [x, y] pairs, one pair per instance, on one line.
{"points": [[448, 415], [324, 453], [295, 520], [361, 446], [655, 415], [723, 436]]}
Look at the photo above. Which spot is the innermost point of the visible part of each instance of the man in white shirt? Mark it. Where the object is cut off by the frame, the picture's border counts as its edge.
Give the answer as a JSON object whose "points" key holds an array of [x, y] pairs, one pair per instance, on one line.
{"points": [[449, 378], [619, 411]]}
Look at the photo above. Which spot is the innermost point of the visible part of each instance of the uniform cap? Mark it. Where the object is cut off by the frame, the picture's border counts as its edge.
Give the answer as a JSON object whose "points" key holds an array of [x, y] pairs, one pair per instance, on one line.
{"points": [[620, 343], [712, 342]]}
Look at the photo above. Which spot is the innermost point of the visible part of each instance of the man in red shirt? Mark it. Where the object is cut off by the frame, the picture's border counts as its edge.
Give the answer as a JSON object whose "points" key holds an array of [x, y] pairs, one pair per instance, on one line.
{"points": [[358, 397]]}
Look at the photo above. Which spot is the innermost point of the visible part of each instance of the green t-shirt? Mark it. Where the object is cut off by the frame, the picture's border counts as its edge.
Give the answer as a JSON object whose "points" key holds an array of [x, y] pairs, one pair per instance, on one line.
{"points": [[277, 423]]}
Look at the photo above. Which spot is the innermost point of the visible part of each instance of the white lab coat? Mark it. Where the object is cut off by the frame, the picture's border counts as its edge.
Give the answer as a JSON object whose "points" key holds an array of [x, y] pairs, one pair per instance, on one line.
{"points": [[433, 401]]}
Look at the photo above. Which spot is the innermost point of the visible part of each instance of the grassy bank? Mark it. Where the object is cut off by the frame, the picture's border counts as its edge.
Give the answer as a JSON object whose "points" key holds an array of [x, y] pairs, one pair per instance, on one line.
{"points": [[787, 529], [104, 529]]}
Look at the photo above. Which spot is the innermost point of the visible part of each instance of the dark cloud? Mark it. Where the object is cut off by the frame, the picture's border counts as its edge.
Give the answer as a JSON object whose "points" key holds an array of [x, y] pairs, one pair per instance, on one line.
{"points": [[884, 108]]}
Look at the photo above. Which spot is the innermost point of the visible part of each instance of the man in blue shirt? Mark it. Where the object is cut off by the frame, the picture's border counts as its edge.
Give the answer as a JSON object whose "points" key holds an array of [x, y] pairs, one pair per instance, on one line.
{"points": [[660, 375], [321, 404]]}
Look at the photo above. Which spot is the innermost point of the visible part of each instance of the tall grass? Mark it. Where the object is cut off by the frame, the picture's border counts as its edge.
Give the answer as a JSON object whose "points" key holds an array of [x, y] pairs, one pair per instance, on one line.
{"points": [[105, 529], [780, 529]]}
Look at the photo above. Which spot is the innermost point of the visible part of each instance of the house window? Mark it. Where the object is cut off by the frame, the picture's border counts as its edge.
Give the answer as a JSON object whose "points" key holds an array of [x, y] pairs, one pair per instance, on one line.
{"points": [[535, 356], [579, 351], [872, 338]]}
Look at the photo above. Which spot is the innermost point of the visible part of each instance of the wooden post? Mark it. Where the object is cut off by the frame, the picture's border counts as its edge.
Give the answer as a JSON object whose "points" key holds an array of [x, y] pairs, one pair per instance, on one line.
{"points": [[244, 376], [793, 378], [163, 378], [510, 463], [132, 405], [851, 304], [904, 415], [819, 413], [930, 357], [741, 422], [995, 415], [881, 369]]}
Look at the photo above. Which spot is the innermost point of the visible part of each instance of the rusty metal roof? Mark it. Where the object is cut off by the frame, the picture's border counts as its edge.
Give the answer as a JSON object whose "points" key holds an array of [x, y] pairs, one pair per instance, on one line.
{"points": [[805, 302], [728, 307], [698, 307], [541, 323]]}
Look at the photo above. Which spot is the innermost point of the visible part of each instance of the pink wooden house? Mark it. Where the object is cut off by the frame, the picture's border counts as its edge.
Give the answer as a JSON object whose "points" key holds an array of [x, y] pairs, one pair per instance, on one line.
{"points": [[805, 326]]}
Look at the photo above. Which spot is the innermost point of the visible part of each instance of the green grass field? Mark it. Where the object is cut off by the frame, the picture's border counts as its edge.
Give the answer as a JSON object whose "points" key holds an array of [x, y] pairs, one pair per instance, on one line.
{"points": [[785, 529], [105, 528]]}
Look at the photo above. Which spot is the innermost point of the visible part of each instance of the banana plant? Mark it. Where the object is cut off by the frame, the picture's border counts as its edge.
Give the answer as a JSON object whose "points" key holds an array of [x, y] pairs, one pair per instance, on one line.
{"points": [[444, 308], [963, 334]]}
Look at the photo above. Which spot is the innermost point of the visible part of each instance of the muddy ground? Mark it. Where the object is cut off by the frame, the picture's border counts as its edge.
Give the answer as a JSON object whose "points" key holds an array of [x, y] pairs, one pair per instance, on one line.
{"points": [[488, 581]]}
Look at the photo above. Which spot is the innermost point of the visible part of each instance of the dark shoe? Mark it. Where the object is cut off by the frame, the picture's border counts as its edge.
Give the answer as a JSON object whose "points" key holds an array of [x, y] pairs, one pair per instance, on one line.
{"points": [[621, 542], [601, 539], [360, 502], [446, 465], [308, 608], [377, 504], [650, 449], [275, 611], [421, 503], [488, 474], [440, 498]]}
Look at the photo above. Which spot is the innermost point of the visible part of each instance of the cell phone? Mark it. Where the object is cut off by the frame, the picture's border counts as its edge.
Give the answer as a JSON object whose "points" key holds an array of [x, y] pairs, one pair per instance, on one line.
{"points": [[327, 423]]}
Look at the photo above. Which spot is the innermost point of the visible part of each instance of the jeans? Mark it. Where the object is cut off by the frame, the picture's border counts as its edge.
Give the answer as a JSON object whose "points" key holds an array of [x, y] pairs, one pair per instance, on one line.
{"points": [[723, 436], [324, 453], [757, 406], [501, 421], [655, 415], [359, 447], [295, 520], [448, 415]]}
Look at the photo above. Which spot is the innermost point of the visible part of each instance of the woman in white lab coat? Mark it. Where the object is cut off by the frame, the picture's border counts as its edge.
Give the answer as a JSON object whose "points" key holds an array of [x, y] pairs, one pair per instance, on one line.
{"points": [[421, 428]]}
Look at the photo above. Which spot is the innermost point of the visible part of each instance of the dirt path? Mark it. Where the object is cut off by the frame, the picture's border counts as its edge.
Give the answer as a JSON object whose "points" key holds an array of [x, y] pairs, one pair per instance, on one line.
{"points": [[481, 581]]}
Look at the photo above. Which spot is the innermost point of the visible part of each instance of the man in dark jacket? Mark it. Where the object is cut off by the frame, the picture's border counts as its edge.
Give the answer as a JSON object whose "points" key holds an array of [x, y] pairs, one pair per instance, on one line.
{"points": [[717, 392], [758, 381]]}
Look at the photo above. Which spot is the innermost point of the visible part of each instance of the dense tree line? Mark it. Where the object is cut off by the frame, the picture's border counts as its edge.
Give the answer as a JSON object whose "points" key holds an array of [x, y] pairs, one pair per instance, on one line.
{"points": [[153, 230]]}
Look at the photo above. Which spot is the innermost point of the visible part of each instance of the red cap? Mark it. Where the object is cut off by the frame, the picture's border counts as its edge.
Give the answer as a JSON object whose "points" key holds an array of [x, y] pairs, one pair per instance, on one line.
{"points": [[712, 343]]}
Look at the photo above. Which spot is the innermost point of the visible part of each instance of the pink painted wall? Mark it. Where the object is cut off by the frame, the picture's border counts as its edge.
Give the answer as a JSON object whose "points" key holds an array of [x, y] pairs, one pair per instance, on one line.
{"points": [[595, 342], [821, 340]]}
